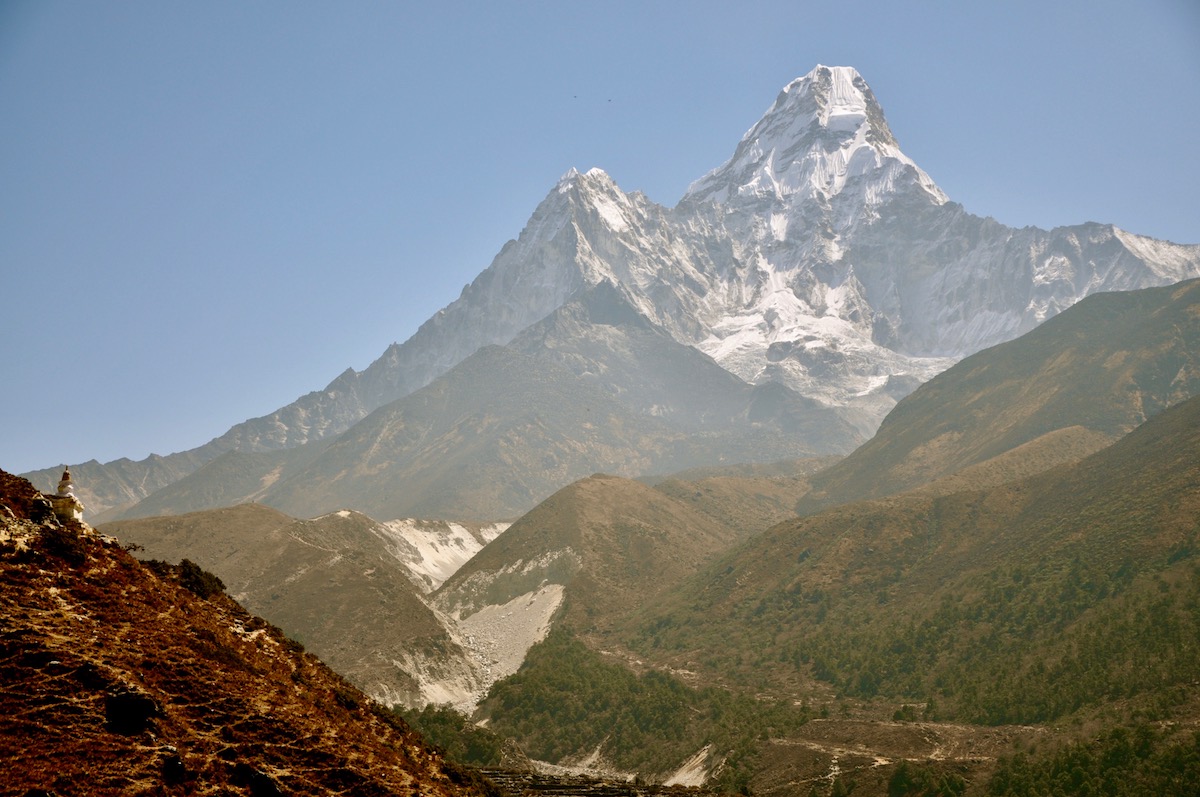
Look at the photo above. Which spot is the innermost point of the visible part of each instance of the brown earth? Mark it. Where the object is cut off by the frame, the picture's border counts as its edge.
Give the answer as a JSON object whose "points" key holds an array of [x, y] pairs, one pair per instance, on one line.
{"points": [[746, 498], [613, 543]]}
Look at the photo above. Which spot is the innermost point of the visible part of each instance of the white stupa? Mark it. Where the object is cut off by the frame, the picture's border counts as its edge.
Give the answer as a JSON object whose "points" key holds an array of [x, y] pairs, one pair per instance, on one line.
{"points": [[66, 506]]}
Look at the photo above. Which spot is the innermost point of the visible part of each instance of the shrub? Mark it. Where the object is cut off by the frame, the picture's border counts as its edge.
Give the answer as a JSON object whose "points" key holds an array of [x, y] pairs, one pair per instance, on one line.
{"points": [[64, 543], [463, 741], [198, 580]]}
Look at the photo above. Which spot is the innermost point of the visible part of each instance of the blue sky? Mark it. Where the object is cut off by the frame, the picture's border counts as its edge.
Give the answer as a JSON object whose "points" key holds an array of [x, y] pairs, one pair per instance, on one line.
{"points": [[209, 209]]}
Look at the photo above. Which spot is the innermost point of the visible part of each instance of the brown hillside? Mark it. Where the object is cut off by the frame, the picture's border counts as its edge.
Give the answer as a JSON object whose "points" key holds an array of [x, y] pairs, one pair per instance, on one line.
{"points": [[232, 541], [611, 542], [1060, 447], [744, 505], [331, 582], [116, 678], [747, 498], [1019, 603]]}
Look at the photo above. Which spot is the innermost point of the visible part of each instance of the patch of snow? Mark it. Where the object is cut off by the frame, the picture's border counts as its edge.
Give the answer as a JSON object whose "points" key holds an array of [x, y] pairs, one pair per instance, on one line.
{"points": [[873, 384], [1171, 261], [779, 226], [435, 550], [767, 164], [610, 212], [567, 180]]}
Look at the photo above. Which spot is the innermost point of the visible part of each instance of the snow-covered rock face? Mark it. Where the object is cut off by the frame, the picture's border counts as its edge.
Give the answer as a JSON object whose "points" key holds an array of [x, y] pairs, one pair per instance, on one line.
{"points": [[819, 256], [824, 133]]}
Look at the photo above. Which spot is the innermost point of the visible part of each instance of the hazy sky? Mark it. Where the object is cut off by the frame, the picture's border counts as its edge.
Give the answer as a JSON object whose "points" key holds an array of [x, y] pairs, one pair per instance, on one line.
{"points": [[209, 209]]}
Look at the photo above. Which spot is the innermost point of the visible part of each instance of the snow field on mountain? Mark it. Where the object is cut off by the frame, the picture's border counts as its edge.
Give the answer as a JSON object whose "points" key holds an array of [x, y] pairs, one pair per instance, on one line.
{"points": [[1168, 260], [434, 550]]}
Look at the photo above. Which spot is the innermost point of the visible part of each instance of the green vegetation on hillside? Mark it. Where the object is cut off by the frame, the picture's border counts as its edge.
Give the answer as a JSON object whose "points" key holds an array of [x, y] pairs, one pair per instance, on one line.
{"points": [[1014, 648], [1140, 760], [1013, 643], [568, 700], [916, 780], [1020, 604], [463, 741]]}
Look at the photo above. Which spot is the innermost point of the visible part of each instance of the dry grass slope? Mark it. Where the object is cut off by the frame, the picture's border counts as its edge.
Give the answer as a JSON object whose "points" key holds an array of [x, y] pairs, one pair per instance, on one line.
{"points": [[621, 543], [330, 582]]}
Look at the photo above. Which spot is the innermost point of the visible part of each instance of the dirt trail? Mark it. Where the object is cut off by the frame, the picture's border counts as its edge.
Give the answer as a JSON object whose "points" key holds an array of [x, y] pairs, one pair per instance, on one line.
{"points": [[828, 749]]}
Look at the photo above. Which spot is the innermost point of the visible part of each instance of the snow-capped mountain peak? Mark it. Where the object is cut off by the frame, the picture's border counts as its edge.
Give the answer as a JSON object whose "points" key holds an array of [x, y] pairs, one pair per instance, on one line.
{"points": [[836, 98], [825, 131], [567, 180], [818, 256]]}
